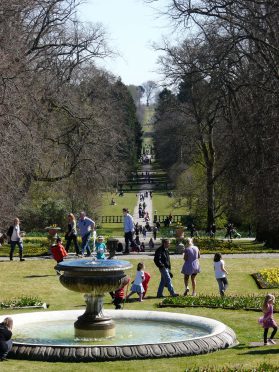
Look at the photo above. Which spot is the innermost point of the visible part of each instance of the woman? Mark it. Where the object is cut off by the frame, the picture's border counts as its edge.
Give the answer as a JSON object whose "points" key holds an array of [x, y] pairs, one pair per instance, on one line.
{"points": [[72, 233], [191, 265], [6, 337], [15, 238]]}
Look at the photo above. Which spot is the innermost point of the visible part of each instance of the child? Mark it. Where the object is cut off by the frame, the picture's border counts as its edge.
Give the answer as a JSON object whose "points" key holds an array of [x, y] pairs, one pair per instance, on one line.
{"points": [[220, 273], [147, 277], [58, 251], [267, 320], [100, 248], [137, 286], [118, 295]]}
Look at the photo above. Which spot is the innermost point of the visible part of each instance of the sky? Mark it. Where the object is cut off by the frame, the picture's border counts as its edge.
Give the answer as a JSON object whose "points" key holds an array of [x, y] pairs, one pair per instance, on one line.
{"points": [[133, 27]]}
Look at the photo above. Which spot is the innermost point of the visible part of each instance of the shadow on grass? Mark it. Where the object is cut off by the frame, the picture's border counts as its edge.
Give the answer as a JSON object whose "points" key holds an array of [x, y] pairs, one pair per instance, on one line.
{"points": [[38, 276], [262, 352]]}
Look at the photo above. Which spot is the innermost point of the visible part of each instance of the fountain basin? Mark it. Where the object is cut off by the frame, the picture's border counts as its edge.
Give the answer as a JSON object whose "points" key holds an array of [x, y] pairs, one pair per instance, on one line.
{"points": [[214, 336]]}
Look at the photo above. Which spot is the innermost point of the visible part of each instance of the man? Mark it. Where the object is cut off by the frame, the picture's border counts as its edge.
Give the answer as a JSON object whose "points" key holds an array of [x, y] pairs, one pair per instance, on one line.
{"points": [[129, 228], [162, 261], [86, 226]]}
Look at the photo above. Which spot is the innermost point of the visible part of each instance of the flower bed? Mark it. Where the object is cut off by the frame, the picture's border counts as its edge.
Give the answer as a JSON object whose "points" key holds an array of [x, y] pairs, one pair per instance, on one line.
{"points": [[22, 302], [267, 278], [250, 302]]}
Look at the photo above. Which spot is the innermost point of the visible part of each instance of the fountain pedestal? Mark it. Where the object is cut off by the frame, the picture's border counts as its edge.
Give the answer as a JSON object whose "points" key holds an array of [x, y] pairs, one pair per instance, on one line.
{"points": [[94, 278], [93, 323]]}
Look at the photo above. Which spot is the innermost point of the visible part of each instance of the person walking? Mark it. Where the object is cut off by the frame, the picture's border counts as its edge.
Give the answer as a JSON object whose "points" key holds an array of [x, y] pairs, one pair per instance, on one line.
{"points": [[129, 228], [72, 234], [191, 266], [86, 226], [137, 286], [267, 320], [154, 229], [220, 273], [162, 261], [15, 238]]}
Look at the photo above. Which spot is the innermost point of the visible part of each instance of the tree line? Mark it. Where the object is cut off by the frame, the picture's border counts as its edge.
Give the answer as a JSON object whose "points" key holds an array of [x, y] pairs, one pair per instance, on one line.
{"points": [[217, 119], [67, 127]]}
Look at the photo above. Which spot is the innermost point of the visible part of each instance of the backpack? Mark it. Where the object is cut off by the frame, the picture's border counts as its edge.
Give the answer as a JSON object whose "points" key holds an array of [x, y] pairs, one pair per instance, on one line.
{"points": [[10, 231]]}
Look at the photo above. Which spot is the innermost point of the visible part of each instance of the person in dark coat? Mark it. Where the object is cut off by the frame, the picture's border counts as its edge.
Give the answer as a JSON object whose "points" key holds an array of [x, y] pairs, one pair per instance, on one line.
{"points": [[162, 261], [6, 338]]}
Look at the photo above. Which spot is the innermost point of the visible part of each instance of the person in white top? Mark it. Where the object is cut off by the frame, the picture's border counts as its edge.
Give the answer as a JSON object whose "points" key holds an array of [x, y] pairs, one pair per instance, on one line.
{"points": [[137, 286], [220, 273], [15, 239]]}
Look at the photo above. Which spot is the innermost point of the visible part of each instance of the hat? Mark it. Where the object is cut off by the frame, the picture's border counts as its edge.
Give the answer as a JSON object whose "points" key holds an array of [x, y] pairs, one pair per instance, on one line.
{"points": [[100, 237]]}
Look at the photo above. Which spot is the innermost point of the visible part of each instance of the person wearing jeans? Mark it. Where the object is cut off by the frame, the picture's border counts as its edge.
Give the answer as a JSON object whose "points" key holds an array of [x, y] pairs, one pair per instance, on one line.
{"points": [[162, 261], [15, 239], [72, 233], [129, 228], [86, 226]]}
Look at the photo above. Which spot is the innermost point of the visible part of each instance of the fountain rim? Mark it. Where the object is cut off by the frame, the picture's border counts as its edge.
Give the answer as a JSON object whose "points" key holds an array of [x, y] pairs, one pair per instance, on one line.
{"points": [[83, 265], [221, 337]]}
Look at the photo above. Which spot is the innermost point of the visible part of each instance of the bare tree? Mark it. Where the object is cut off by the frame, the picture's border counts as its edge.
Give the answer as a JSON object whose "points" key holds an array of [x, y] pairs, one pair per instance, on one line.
{"points": [[149, 88]]}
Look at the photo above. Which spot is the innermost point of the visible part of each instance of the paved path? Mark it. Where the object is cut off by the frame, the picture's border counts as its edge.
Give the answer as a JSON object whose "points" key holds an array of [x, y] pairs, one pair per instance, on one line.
{"points": [[150, 255], [148, 201]]}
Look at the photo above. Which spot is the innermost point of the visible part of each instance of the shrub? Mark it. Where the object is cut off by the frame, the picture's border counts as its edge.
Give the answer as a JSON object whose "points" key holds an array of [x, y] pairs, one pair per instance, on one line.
{"points": [[250, 302], [21, 302]]}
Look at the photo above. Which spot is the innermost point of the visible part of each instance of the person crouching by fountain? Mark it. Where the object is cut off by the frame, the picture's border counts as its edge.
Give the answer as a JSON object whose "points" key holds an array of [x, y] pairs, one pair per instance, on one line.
{"points": [[100, 248], [162, 261], [6, 342], [137, 286], [119, 295], [58, 251]]}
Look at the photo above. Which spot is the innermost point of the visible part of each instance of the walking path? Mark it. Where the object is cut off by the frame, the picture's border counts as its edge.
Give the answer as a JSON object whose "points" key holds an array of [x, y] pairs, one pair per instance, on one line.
{"points": [[150, 256]]}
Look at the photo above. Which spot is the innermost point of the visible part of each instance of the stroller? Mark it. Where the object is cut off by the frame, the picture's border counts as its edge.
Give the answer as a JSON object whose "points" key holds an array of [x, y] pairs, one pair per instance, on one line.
{"points": [[235, 234]]}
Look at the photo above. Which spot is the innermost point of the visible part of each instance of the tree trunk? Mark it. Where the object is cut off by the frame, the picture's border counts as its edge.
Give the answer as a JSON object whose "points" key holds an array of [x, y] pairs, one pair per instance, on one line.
{"points": [[210, 195]]}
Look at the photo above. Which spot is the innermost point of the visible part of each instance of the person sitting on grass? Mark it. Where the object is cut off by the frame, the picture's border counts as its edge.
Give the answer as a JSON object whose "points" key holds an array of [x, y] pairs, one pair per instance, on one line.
{"points": [[58, 251]]}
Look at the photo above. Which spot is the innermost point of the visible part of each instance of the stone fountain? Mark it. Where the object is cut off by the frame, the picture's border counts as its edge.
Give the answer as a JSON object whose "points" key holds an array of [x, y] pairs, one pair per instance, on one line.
{"points": [[50, 335], [93, 278]]}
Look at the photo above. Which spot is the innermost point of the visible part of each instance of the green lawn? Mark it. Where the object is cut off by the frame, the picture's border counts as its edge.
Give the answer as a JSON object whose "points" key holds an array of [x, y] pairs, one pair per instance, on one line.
{"points": [[37, 278], [166, 205], [129, 201]]}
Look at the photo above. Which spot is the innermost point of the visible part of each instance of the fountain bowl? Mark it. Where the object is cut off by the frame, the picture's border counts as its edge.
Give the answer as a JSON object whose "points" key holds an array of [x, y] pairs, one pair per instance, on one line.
{"points": [[93, 278]]}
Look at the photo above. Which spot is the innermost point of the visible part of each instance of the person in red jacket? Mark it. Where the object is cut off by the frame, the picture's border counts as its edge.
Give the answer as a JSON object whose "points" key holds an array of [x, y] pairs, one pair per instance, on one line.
{"points": [[58, 251], [147, 277], [119, 294]]}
